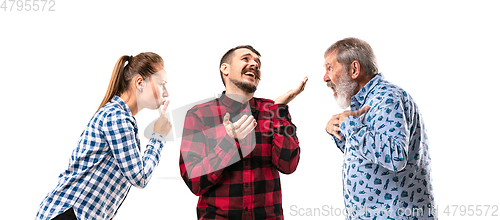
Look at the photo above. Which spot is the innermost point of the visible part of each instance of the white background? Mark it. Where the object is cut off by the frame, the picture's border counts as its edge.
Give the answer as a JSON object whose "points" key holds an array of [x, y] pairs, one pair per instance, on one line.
{"points": [[55, 68]]}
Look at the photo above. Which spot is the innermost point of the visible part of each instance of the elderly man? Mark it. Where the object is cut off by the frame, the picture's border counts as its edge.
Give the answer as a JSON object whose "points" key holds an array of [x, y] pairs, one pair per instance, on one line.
{"points": [[234, 147], [386, 171]]}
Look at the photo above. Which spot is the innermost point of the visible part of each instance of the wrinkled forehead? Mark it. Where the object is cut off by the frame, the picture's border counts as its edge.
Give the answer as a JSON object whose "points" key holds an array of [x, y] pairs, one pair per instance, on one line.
{"points": [[331, 59], [245, 52]]}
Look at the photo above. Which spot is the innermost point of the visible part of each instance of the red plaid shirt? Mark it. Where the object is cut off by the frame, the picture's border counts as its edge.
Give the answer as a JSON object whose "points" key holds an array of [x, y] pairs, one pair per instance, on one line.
{"points": [[211, 166]]}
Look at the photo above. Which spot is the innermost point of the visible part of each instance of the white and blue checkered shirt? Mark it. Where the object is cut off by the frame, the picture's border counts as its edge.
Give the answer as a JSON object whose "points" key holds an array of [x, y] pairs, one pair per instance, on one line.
{"points": [[106, 162]]}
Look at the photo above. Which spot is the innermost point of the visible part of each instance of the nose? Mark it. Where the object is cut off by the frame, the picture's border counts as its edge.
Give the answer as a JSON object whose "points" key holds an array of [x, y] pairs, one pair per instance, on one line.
{"points": [[326, 78], [253, 63], [165, 93]]}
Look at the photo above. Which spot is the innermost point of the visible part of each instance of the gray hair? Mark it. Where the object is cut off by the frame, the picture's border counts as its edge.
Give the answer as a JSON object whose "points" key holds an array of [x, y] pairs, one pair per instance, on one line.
{"points": [[351, 49]]}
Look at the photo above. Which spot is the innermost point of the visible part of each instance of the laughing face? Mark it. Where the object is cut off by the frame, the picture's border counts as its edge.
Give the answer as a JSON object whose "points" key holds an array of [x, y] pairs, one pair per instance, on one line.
{"points": [[338, 79], [244, 70]]}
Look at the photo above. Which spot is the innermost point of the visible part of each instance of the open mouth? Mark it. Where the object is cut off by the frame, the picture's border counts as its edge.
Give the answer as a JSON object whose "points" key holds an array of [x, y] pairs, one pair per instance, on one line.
{"points": [[250, 74], [332, 86]]}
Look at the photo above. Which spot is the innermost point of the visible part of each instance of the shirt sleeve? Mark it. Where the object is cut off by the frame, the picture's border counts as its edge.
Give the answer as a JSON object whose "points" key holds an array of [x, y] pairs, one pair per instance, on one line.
{"points": [[383, 136], [202, 161], [285, 146], [120, 135], [339, 142]]}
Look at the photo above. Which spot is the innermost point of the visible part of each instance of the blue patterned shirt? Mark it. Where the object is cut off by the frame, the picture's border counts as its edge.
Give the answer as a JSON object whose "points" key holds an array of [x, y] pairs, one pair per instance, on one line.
{"points": [[386, 170], [104, 165]]}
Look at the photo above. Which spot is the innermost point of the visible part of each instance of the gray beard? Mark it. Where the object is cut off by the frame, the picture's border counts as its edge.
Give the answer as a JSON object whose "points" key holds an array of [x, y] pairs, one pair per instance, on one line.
{"points": [[245, 87], [345, 89]]}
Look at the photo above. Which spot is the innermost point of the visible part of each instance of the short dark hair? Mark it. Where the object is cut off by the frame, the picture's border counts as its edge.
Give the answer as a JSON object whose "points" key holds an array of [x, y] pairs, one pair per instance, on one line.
{"points": [[351, 49], [228, 56]]}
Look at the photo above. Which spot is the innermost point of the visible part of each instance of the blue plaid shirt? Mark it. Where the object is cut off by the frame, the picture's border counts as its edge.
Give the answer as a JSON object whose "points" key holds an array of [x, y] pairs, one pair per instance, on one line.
{"points": [[106, 162]]}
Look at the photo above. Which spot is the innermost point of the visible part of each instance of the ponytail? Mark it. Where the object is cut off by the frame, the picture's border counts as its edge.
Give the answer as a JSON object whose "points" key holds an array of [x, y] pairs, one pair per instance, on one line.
{"points": [[117, 82]]}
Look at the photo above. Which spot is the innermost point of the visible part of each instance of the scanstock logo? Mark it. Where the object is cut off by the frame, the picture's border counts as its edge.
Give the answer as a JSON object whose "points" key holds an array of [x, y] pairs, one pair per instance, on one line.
{"points": [[213, 133]]}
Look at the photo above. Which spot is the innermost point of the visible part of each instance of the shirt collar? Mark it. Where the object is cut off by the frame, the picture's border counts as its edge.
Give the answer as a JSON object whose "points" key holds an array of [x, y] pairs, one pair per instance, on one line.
{"points": [[360, 97], [123, 105], [235, 105]]}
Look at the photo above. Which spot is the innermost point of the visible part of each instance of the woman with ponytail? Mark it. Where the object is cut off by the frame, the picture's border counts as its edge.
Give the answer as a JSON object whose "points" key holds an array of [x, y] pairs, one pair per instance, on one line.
{"points": [[108, 160]]}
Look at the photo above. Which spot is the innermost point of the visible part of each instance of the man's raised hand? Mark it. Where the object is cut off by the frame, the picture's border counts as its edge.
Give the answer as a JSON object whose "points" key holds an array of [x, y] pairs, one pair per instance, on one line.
{"points": [[291, 94]]}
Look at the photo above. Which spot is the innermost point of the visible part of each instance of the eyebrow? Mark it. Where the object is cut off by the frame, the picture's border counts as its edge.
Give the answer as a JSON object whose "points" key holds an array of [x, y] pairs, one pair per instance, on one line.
{"points": [[249, 54]]}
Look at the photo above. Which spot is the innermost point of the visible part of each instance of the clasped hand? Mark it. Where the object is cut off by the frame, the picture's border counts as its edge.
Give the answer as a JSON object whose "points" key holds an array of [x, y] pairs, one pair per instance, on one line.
{"points": [[333, 125], [241, 128]]}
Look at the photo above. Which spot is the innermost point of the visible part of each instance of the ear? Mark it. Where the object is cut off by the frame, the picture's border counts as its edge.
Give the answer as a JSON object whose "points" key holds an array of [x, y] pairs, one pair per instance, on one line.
{"points": [[355, 69], [139, 82], [224, 68]]}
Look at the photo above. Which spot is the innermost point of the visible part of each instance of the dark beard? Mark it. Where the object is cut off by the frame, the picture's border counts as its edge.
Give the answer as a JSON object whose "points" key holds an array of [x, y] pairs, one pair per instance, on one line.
{"points": [[245, 87]]}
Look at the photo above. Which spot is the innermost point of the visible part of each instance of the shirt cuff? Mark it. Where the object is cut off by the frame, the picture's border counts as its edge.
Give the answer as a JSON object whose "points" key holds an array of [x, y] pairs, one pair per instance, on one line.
{"points": [[158, 137], [339, 142]]}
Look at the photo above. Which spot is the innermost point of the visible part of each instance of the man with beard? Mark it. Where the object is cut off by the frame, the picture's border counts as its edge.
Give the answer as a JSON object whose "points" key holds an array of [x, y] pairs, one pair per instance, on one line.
{"points": [[386, 171], [234, 147]]}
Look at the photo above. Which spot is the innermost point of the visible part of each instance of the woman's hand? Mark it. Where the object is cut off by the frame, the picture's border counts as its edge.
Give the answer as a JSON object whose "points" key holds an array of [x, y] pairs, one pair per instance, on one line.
{"points": [[162, 125]]}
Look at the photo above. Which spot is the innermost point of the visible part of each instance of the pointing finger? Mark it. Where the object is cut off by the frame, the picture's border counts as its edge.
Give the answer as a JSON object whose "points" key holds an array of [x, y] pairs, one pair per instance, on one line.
{"points": [[164, 110]]}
